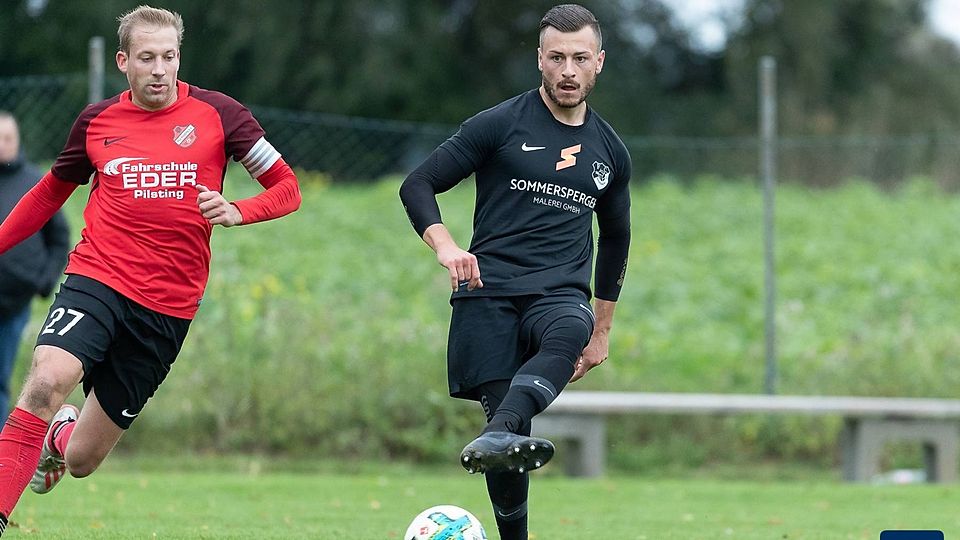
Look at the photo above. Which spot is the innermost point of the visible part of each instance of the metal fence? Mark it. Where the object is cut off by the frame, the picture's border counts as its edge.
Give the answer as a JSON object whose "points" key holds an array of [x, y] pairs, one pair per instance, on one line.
{"points": [[45, 107], [362, 149], [349, 148], [816, 161]]}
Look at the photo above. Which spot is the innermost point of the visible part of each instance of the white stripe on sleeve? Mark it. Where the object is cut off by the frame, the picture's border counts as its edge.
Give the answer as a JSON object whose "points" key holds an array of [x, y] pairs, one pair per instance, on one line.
{"points": [[260, 158]]}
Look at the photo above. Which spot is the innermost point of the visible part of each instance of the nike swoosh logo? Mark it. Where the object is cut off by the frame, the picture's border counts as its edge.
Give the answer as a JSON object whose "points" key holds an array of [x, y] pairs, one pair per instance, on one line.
{"points": [[526, 148], [538, 383], [511, 514], [108, 141], [127, 414]]}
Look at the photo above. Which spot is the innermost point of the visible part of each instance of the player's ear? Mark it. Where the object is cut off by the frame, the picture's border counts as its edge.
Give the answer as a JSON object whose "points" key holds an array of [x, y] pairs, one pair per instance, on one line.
{"points": [[122, 61], [600, 57], [539, 58]]}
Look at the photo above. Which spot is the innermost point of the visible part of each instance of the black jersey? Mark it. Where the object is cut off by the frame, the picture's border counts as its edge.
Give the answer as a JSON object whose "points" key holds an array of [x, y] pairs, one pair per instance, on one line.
{"points": [[538, 184]]}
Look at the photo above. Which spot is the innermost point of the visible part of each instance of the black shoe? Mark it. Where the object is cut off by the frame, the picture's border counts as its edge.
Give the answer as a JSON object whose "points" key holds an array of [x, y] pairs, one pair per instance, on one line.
{"points": [[502, 451]]}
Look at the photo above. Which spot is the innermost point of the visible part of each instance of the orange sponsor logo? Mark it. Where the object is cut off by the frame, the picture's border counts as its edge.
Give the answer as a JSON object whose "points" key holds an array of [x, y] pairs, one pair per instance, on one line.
{"points": [[568, 157]]}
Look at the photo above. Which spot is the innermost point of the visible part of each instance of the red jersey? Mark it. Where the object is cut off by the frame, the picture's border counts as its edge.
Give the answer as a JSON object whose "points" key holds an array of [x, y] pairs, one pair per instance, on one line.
{"points": [[144, 235]]}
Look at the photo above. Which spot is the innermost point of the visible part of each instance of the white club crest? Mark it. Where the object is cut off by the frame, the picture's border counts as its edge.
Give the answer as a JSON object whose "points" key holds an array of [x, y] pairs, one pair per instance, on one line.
{"points": [[601, 174], [184, 135]]}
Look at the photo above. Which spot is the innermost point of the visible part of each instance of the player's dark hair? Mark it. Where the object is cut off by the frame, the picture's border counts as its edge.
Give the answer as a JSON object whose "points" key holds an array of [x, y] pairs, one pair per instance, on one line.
{"points": [[571, 18], [149, 16]]}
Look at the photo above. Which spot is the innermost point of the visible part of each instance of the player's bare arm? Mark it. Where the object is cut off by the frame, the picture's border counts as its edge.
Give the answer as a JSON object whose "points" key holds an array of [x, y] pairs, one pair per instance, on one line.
{"points": [[599, 347], [461, 264]]}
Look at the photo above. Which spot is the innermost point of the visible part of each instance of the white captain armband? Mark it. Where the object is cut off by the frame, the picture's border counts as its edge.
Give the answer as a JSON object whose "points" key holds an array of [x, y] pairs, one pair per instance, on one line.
{"points": [[260, 158]]}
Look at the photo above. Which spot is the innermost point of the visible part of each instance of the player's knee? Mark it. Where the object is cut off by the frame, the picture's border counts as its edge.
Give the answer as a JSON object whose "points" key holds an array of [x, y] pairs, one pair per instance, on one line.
{"points": [[81, 465], [50, 381], [40, 396], [78, 471], [566, 337]]}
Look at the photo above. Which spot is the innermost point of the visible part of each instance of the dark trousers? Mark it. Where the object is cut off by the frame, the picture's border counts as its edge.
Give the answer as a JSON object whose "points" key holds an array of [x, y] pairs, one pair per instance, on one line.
{"points": [[11, 330]]}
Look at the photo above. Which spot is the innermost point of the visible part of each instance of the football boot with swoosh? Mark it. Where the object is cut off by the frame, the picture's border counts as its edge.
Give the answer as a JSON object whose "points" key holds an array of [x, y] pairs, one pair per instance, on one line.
{"points": [[52, 466]]}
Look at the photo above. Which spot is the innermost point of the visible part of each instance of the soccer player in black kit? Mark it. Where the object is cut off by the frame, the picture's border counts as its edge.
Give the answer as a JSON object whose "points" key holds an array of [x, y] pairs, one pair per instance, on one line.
{"points": [[522, 325]]}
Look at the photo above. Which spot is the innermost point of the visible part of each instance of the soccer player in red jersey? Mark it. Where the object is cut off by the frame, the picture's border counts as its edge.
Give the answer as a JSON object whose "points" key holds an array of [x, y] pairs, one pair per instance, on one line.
{"points": [[157, 154]]}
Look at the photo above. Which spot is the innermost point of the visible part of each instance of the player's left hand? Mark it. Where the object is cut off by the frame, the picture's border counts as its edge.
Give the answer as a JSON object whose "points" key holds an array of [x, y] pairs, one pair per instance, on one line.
{"points": [[593, 355], [215, 209]]}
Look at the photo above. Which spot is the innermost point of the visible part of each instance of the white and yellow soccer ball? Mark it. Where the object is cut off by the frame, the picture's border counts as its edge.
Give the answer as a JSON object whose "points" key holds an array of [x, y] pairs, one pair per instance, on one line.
{"points": [[445, 522]]}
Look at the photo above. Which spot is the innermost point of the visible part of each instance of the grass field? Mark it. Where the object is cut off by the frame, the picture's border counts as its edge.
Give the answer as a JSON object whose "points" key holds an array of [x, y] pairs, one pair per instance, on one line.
{"points": [[239, 498]]}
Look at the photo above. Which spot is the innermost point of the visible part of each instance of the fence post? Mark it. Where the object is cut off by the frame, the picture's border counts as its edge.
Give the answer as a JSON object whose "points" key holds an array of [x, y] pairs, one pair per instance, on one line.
{"points": [[768, 164], [95, 70]]}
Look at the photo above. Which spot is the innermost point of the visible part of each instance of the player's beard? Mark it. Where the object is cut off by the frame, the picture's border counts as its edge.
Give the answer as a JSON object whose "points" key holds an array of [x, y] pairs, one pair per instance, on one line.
{"points": [[145, 97], [160, 100], [585, 90]]}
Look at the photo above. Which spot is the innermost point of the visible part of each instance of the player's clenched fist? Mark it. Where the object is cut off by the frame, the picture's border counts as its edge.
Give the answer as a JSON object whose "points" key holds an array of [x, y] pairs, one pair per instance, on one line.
{"points": [[216, 209]]}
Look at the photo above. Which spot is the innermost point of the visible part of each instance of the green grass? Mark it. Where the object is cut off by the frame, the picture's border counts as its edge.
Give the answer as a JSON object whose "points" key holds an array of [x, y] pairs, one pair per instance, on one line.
{"points": [[339, 311], [247, 499]]}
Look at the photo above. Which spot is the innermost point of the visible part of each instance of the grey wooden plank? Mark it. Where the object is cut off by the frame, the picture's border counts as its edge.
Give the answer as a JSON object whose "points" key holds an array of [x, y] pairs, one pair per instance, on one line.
{"points": [[669, 403]]}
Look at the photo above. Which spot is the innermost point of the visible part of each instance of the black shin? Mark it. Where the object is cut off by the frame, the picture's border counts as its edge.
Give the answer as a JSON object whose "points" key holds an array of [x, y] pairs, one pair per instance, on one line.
{"points": [[508, 491]]}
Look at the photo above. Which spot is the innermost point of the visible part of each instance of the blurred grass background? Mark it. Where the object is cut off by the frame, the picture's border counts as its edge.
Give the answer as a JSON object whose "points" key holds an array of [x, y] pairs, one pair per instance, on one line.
{"points": [[325, 332]]}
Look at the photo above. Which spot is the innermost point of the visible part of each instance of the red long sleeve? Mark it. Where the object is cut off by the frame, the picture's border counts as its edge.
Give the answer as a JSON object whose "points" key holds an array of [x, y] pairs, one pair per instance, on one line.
{"points": [[281, 196], [34, 209]]}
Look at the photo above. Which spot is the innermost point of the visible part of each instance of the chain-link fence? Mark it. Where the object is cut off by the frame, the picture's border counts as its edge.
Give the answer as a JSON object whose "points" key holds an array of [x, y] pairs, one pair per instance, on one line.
{"points": [[361, 149], [350, 148], [814, 161], [45, 107]]}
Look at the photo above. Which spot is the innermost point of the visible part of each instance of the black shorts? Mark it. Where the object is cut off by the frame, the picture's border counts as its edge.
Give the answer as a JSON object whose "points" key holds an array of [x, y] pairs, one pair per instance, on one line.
{"points": [[491, 337], [126, 349]]}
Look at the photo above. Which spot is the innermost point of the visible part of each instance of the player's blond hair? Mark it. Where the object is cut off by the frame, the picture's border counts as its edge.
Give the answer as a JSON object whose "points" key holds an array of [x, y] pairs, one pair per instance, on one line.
{"points": [[147, 16]]}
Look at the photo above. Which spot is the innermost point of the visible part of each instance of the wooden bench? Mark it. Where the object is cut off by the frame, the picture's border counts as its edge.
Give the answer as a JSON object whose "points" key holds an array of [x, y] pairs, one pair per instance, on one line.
{"points": [[869, 423]]}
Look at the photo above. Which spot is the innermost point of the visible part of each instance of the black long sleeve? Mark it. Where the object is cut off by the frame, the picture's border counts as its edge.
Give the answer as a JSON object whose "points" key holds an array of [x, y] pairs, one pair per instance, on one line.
{"points": [[438, 173], [613, 247], [613, 241]]}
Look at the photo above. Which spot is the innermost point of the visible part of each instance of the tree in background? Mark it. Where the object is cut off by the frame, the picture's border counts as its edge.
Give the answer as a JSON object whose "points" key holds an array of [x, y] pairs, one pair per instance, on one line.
{"points": [[845, 66], [422, 60]]}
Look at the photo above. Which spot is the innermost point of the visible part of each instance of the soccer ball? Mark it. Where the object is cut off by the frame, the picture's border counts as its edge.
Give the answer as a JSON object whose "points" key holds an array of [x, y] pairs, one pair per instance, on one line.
{"points": [[445, 522]]}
